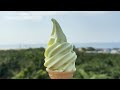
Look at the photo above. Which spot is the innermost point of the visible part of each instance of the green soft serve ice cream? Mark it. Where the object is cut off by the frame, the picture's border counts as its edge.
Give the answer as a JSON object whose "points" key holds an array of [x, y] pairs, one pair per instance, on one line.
{"points": [[59, 55]]}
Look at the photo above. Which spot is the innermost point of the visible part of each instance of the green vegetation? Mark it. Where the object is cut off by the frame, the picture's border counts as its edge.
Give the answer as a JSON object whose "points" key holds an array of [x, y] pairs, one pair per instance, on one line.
{"points": [[22, 64], [28, 64]]}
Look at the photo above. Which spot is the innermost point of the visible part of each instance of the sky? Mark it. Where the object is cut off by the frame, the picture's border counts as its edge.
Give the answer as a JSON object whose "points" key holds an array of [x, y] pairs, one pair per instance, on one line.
{"points": [[35, 27]]}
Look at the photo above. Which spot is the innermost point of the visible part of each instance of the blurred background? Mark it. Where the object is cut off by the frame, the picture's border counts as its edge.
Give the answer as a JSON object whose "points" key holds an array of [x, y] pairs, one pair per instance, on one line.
{"points": [[94, 34]]}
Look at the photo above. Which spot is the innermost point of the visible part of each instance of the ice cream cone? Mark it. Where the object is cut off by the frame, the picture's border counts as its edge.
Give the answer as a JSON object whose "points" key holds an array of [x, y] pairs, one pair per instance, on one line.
{"points": [[60, 75], [59, 55]]}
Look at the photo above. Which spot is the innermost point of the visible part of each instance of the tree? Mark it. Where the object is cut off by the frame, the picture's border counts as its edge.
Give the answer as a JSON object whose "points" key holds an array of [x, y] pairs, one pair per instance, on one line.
{"points": [[90, 49]]}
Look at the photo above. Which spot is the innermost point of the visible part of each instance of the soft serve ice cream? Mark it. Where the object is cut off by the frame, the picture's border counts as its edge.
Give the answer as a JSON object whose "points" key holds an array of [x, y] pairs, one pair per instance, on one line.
{"points": [[59, 55]]}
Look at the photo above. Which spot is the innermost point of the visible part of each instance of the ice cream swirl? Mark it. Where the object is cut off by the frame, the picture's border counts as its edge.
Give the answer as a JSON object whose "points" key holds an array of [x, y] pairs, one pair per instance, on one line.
{"points": [[59, 55]]}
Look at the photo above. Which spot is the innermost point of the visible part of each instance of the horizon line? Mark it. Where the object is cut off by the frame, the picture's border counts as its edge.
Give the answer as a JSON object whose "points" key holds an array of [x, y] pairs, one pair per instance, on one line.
{"points": [[46, 43]]}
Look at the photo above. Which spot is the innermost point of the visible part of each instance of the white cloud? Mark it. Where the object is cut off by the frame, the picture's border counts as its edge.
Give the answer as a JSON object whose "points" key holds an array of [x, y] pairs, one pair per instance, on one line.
{"points": [[30, 15], [33, 15], [23, 17]]}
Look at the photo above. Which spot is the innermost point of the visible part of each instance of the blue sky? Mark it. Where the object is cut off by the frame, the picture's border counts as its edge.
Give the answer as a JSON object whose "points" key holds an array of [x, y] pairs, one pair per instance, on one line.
{"points": [[34, 27]]}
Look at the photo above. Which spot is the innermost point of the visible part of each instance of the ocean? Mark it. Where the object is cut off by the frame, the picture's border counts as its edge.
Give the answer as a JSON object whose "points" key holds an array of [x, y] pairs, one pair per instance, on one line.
{"points": [[77, 45], [98, 45]]}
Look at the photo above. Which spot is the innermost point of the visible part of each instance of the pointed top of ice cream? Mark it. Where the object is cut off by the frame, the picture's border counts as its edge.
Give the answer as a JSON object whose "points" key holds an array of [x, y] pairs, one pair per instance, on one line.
{"points": [[57, 34]]}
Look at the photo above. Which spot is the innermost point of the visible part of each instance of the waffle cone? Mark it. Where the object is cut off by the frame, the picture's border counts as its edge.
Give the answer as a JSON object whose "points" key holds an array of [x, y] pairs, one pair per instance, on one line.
{"points": [[60, 75]]}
